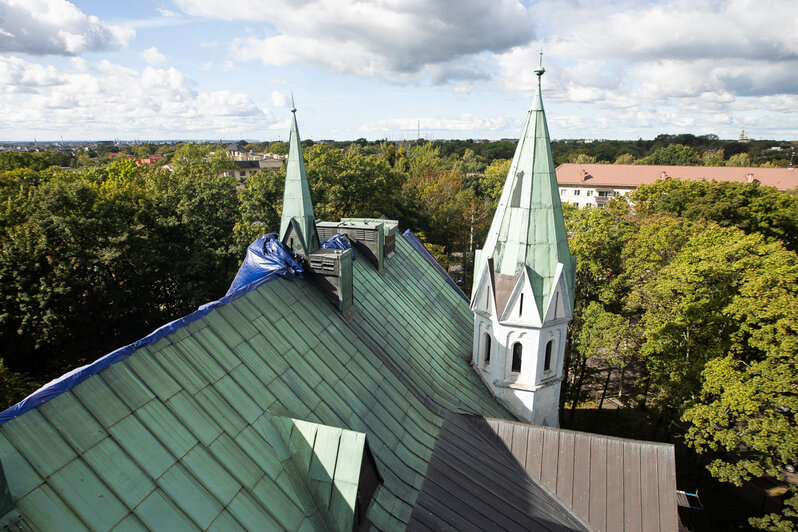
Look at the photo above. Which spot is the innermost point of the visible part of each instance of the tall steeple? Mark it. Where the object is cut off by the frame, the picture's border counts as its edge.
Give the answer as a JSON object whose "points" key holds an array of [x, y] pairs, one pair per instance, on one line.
{"points": [[528, 228], [519, 349], [297, 205]]}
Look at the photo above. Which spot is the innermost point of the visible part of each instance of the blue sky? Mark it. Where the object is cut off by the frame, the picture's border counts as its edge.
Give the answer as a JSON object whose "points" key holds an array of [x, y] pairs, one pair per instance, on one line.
{"points": [[202, 69]]}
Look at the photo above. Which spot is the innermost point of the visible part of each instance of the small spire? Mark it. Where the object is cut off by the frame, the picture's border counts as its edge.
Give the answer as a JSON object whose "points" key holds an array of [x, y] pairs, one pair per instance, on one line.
{"points": [[297, 204], [293, 107], [537, 104]]}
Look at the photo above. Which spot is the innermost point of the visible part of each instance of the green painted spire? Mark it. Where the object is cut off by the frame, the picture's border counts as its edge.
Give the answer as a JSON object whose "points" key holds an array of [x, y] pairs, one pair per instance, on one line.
{"points": [[528, 229], [297, 204]]}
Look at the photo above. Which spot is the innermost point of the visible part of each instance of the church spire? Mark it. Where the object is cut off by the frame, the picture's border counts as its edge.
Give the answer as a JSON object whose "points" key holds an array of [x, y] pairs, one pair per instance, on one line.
{"points": [[528, 230], [524, 282], [297, 205]]}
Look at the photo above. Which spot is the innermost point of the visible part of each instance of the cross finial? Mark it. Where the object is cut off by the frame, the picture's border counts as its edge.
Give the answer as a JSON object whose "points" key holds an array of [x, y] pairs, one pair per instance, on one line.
{"points": [[540, 70], [293, 107]]}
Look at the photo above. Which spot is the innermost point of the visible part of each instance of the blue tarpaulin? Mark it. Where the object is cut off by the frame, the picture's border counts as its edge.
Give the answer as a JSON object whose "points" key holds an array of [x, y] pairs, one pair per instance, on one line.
{"points": [[419, 246], [267, 258], [339, 241]]}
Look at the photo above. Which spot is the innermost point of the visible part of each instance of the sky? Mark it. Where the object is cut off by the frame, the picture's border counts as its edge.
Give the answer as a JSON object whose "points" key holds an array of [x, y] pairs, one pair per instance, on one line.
{"points": [[395, 69]]}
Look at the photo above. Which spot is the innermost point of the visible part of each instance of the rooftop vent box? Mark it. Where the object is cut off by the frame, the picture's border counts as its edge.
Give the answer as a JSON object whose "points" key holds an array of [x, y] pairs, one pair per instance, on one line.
{"points": [[368, 236], [331, 271]]}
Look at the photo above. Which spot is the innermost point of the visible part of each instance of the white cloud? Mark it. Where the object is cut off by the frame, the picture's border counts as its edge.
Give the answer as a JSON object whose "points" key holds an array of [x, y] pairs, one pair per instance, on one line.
{"points": [[165, 12], [42, 27], [465, 122], [278, 99], [282, 125], [663, 66], [391, 38], [111, 100], [153, 57]]}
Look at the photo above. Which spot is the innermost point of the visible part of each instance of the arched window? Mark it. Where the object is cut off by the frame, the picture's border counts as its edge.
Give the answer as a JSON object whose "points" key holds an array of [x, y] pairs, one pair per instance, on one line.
{"points": [[547, 359], [486, 341], [516, 367]]}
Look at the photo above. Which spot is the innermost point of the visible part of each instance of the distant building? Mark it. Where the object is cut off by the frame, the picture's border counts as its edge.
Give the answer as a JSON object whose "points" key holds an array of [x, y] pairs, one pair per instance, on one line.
{"points": [[245, 169], [247, 162], [595, 184], [236, 152], [150, 160]]}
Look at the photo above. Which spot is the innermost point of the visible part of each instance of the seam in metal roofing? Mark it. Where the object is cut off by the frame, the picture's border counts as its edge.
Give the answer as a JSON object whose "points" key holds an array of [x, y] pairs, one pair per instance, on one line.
{"points": [[180, 431], [609, 483]]}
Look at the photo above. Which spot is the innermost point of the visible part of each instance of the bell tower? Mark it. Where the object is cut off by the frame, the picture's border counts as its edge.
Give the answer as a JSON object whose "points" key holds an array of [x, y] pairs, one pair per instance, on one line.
{"points": [[524, 282]]}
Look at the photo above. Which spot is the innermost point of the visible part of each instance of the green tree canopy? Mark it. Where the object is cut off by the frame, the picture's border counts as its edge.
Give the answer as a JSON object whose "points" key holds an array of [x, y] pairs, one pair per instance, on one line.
{"points": [[672, 154]]}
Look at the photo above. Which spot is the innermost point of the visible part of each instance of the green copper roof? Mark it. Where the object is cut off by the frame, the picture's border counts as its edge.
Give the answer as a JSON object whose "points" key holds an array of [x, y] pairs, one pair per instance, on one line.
{"points": [[528, 228], [199, 430], [297, 203]]}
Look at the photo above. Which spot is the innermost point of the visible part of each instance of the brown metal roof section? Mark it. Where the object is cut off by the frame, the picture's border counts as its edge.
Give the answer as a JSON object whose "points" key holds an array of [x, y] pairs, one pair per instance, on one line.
{"points": [[611, 483], [474, 483], [633, 175]]}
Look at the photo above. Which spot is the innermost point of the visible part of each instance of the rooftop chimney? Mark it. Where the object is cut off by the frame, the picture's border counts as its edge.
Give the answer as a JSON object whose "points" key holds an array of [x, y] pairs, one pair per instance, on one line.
{"points": [[331, 271]]}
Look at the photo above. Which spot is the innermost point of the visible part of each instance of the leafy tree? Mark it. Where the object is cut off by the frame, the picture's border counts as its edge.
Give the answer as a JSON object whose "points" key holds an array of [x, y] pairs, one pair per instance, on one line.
{"points": [[14, 387], [424, 158], [447, 210], [598, 237], [750, 207], [80, 237], [351, 183], [625, 158], [260, 205], [739, 159], [493, 179], [687, 320], [712, 158], [469, 163], [278, 148], [607, 338], [673, 154], [597, 240], [747, 411], [581, 158]]}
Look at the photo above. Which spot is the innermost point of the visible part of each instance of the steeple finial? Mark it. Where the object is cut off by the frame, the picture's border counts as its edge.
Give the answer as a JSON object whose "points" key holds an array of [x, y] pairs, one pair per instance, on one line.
{"points": [[293, 106], [540, 70]]}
